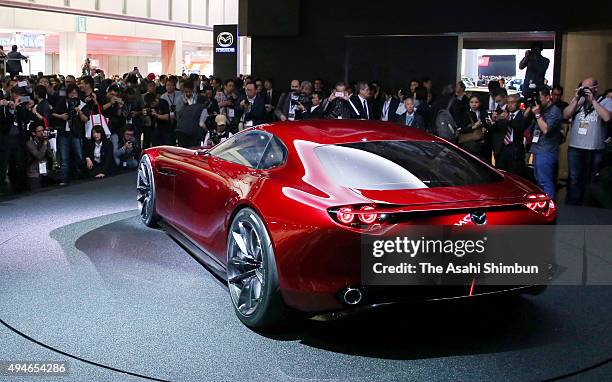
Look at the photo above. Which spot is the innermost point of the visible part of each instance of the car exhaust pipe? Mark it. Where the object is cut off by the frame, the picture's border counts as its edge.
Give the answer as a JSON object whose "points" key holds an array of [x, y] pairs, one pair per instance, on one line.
{"points": [[352, 296]]}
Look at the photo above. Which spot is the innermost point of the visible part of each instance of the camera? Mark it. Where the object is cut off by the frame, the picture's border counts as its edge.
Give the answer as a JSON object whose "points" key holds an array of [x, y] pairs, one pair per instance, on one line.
{"points": [[48, 134], [582, 93], [532, 97], [295, 99], [173, 108]]}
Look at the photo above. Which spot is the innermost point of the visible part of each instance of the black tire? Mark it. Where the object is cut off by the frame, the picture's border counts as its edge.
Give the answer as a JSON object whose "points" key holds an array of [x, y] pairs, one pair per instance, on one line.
{"points": [[145, 193], [256, 299]]}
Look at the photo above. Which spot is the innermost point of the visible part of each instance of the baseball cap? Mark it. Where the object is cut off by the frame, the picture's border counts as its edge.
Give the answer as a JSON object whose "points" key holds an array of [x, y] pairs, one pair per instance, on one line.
{"points": [[221, 119]]}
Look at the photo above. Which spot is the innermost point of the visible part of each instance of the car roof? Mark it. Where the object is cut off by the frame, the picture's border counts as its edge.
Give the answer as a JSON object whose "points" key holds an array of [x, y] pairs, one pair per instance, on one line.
{"points": [[338, 131]]}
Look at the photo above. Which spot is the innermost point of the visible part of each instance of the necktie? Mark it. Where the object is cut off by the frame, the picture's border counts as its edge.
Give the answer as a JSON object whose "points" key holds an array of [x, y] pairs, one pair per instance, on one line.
{"points": [[365, 109], [409, 120], [508, 137]]}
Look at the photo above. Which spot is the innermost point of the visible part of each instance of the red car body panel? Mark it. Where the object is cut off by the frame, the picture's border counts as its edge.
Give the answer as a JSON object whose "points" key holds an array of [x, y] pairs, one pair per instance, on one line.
{"points": [[316, 257]]}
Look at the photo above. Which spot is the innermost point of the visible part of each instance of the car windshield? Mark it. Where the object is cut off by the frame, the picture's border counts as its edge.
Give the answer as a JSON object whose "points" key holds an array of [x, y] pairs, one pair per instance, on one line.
{"points": [[396, 165]]}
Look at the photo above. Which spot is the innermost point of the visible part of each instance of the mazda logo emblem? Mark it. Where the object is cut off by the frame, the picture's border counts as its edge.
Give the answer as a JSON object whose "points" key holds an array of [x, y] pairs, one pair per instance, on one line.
{"points": [[479, 217], [225, 39]]}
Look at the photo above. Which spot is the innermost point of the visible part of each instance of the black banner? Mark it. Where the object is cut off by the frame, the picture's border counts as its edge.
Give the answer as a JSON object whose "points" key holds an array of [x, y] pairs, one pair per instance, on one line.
{"points": [[225, 51]]}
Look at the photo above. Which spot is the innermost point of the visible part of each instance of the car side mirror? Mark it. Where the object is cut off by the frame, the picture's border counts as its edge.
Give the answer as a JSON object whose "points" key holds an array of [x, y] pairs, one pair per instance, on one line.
{"points": [[201, 152]]}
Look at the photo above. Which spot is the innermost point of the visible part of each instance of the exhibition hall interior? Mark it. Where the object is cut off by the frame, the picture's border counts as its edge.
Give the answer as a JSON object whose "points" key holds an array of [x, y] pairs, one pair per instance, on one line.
{"points": [[292, 190]]}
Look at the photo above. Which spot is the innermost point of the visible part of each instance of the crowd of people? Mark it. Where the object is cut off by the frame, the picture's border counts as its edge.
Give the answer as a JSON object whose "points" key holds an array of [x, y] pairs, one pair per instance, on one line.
{"points": [[54, 129]]}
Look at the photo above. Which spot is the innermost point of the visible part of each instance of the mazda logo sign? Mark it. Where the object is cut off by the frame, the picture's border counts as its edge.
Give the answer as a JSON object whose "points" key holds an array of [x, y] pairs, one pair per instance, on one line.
{"points": [[225, 39], [479, 217]]}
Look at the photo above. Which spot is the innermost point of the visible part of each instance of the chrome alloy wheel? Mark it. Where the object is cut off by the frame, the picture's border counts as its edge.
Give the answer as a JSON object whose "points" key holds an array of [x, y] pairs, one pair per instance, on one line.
{"points": [[246, 274], [144, 187]]}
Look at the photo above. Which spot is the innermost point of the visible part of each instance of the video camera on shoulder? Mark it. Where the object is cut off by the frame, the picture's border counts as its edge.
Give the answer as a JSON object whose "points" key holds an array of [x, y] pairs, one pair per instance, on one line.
{"points": [[532, 97]]}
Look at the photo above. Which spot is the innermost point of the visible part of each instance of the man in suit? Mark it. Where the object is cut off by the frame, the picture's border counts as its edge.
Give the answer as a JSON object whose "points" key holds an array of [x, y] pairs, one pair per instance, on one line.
{"points": [[251, 108], [410, 118], [337, 105], [510, 151], [361, 105], [315, 111], [13, 65], [285, 108], [499, 117]]}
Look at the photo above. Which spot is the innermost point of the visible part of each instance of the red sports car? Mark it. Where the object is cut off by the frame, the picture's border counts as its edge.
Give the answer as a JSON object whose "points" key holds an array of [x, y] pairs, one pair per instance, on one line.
{"points": [[278, 210]]}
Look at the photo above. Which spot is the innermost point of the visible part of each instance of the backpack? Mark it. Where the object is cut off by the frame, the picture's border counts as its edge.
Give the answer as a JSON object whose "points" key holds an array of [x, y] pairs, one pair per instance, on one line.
{"points": [[444, 123]]}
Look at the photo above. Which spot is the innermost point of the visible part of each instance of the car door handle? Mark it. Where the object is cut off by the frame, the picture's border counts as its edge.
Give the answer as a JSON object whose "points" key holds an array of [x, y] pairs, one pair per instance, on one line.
{"points": [[166, 172]]}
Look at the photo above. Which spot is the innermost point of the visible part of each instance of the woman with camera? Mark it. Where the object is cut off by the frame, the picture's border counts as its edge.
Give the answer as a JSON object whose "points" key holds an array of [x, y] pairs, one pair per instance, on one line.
{"points": [[473, 129]]}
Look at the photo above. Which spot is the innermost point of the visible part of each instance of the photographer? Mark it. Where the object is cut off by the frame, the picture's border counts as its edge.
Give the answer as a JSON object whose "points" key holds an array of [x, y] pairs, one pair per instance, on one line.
{"points": [[98, 154], [227, 99], [90, 98], [473, 130], [545, 129], [251, 108], [113, 109], [69, 120], [219, 133], [589, 115], [13, 120], [132, 111], [175, 103], [287, 109], [337, 106], [158, 111], [126, 149], [213, 108], [510, 155], [536, 65], [39, 153], [315, 111]]}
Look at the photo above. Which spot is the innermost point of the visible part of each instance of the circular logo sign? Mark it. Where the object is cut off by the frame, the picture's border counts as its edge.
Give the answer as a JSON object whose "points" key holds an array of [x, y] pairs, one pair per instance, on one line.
{"points": [[225, 39]]}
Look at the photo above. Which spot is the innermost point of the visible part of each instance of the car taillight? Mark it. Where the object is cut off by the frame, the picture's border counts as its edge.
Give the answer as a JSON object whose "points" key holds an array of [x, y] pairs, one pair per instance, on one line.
{"points": [[365, 217], [541, 204], [355, 216], [345, 215]]}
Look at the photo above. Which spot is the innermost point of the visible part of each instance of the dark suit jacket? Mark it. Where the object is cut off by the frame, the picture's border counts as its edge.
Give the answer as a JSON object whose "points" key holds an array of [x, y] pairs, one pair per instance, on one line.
{"points": [[317, 113], [275, 97], [77, 129], [257, 113], [358, 105], [106, 154], [391, 114], [6, 121], [13, 65], [498, 132], [465, 125], [283, 107], [418, 121]]}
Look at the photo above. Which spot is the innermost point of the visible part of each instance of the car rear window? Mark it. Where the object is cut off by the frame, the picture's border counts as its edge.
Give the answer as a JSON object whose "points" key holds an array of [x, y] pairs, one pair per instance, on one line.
{"points": [[395, 165]]}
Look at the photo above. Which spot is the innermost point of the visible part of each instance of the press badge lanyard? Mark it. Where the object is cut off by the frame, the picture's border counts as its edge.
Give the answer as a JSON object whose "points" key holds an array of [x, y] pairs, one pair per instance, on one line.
{"points": [[172, 103]]}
